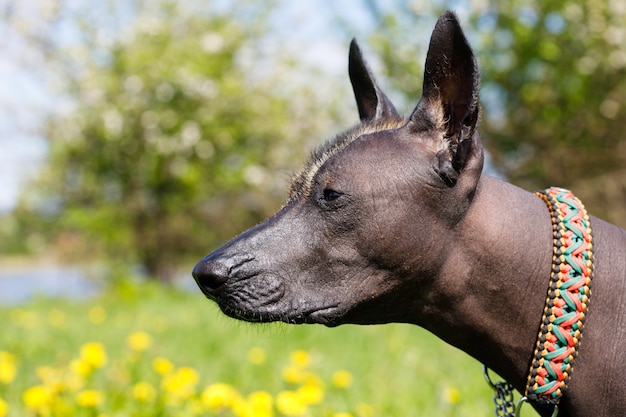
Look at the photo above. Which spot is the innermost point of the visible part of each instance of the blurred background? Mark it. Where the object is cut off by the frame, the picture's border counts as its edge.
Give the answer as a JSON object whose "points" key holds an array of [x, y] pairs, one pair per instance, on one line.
{"points": [[137, 136], [145, 134]]}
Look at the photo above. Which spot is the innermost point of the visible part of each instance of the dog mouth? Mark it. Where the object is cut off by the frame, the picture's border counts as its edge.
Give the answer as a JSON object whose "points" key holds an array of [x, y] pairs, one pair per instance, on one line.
{"points": [[326, 315], [263, 298]]}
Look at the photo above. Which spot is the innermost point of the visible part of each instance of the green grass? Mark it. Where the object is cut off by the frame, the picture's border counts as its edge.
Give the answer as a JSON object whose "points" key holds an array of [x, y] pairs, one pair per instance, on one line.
{"points": [[398, 370]]}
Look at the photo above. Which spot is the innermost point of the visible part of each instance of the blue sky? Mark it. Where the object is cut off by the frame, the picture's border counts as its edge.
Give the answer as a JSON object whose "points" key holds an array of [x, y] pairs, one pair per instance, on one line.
{"points": [[308, 29], [25, 96], [22, 100]]}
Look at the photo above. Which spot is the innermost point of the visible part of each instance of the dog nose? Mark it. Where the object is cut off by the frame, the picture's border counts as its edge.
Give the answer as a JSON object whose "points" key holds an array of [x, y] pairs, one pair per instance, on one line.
{"points": [[210, 275]]}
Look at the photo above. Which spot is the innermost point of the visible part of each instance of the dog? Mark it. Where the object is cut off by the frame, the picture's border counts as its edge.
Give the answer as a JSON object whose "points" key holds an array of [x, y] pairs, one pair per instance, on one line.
{"points": [[394, 221]]}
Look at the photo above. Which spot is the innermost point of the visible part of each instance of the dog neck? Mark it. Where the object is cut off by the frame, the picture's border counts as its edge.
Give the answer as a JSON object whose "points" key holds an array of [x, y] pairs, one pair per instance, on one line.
{"points": [[489, 297]]}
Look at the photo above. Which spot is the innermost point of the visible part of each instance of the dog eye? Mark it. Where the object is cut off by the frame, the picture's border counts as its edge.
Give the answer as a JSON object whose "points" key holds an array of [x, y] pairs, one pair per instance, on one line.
{"points": [[331, 195]]}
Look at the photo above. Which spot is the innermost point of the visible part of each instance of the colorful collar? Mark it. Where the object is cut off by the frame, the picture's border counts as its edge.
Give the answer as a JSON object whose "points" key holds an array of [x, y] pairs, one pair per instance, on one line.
{"points": [[566, 305]]}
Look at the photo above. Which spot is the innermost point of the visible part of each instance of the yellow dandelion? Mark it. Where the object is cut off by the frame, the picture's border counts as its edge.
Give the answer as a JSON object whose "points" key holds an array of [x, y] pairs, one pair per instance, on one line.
{"points": [[293, 374], [311, 394], [81, 367], [94, 354], [219, 396], [342, 379], [258, 404], [89, 398], [257, 356], [144, 391], [261, 403], [300, 358], [180, 384], [451, 395], [188, 375], [289, 403], [8, 367], [97, 314], [4, 408], [311, 378], [38, 398], [162, 366], [139, 341]]}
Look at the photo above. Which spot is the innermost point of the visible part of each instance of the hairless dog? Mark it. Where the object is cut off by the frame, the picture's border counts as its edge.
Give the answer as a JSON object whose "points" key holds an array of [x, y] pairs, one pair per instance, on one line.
{"points": [[394, 221]]}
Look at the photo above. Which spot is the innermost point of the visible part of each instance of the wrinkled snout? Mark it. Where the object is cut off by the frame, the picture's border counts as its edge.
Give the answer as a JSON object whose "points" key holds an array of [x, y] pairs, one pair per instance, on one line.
{"points": [[267, 274], [239, 259], [211, 273]]}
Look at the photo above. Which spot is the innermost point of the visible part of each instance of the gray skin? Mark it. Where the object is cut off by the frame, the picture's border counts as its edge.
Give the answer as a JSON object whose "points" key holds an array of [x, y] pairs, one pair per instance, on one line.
{"points": [[395, 222]]}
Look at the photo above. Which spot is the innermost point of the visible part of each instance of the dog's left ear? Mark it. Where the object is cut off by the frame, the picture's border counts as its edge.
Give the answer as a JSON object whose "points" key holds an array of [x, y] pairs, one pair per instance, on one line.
{"points": [[449, 103], [372, 102]]}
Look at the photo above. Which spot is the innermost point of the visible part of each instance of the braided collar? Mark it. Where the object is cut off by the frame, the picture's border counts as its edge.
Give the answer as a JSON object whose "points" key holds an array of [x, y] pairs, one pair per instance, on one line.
{"points": [[561, 325], [568, 296]]}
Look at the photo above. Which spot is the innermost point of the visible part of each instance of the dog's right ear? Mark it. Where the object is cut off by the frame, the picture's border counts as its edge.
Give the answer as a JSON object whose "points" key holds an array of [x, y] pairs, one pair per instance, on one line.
{"points": [[449, 105], [373, 104]]}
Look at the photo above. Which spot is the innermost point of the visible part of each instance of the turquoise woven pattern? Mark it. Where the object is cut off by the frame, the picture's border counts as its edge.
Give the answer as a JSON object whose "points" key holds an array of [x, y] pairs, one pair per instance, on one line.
{"points": [[567, 300]]}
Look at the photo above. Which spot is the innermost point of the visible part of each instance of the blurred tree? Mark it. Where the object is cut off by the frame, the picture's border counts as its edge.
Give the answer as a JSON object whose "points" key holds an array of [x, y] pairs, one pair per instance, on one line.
{"points": [[175, 137], [554, 87]]}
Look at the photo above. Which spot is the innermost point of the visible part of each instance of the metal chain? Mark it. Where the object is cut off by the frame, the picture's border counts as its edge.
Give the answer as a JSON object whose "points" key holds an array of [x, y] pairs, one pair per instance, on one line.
{"points": [[503, 399]]}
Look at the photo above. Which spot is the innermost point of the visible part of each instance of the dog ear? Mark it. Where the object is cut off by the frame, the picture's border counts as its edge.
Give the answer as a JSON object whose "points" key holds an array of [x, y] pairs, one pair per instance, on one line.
{"points": [[372, 103], [449, 100]]}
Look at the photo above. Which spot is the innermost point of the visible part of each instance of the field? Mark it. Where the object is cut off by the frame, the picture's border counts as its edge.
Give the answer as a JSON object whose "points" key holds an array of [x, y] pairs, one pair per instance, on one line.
{"points": [[144, 350]]}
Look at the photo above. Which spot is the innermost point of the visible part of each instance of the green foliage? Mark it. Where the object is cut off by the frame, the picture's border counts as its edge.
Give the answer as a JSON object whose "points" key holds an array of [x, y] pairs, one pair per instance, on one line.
{"points": [[107, 346], [560, 67], [174, 140], [554, 88]]}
